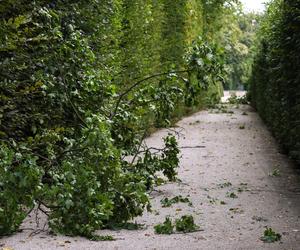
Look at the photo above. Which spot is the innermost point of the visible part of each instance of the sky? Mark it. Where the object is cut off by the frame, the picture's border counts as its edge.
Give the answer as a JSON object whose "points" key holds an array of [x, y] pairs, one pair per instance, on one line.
{"points": [[254, 5]]}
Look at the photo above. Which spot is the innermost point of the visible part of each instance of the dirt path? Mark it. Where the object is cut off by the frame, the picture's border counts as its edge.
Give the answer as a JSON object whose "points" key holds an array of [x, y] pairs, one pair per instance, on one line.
{"points": [[238, 150]]}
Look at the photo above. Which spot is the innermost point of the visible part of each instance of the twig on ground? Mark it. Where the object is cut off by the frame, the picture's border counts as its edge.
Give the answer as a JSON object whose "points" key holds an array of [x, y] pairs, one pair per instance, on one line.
{"points": [[192, 147]]}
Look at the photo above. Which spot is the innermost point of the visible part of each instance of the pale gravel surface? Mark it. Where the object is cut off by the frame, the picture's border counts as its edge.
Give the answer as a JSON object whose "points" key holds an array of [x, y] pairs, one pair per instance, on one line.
{"points": [[230, 155]]}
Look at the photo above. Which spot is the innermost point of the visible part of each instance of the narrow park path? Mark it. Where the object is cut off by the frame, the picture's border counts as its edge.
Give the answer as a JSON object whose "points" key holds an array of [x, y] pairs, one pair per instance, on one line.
{"points": [[225, 151]]}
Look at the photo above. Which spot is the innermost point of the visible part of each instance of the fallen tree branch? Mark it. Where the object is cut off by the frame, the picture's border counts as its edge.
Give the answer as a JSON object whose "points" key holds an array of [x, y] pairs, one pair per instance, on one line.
{"points": [[184, 147], [133, 86]]}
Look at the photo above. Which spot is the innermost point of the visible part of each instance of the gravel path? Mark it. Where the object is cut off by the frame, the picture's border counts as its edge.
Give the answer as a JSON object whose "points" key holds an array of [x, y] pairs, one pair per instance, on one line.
{"points": [[237, 155]]}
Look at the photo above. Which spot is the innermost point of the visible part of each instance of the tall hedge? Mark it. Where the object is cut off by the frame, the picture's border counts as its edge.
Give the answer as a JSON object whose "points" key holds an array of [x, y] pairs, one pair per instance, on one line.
{"points": [[81, 82], [275, 83]]}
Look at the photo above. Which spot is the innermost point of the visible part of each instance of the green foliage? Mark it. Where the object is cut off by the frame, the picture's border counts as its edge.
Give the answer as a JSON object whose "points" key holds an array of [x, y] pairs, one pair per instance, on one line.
{"points": [[174, 33], [270, 236], [231, 195], [186, 224], [166, 202], [165, 228], [165, 161], [235, 31], [234, 99], [97, 189], [20, 182], [141, 33], [242, 127], [275, 173], [239, 42], [225, 184], [206, 65], [102, 238], [170, 160], [275, 76], [81, 83]]}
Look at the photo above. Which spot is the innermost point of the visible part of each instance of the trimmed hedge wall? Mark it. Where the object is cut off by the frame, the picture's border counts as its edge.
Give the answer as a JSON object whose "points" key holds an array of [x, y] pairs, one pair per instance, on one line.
{"points": [[275, 82]]}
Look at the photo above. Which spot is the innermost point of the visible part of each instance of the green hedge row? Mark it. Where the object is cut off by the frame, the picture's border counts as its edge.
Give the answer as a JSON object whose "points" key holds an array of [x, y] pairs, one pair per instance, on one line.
{"points": [[81, 82], [275, 83]]}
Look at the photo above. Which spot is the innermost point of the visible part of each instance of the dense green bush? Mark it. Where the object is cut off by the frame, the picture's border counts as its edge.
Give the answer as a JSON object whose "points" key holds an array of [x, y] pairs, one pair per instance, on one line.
{"points": [[19, 183], [81, 82], [275, 83]]}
